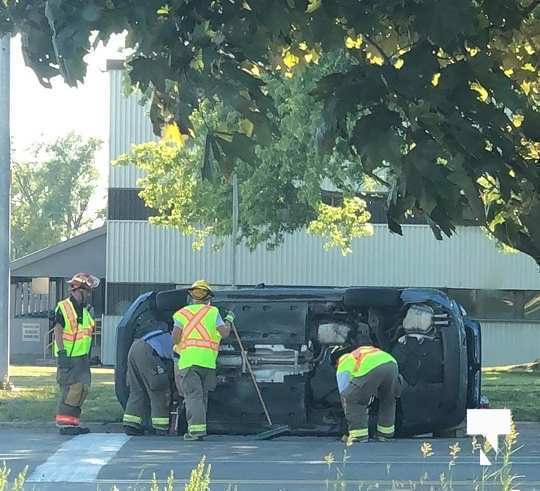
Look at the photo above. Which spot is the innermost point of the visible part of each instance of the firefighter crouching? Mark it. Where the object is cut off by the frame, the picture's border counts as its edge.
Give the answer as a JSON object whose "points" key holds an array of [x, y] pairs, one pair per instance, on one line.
{"points": [[148, 378], [73, 326], [198, 330], [363, 374]]}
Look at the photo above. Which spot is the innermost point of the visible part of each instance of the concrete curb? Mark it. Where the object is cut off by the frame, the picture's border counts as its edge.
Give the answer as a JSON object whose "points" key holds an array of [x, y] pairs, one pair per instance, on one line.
{"points": [[50, 427], [116, 427]]}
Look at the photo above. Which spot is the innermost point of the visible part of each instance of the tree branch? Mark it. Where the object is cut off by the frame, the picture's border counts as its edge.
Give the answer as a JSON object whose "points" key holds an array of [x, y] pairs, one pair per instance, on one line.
{"points": [[374, 176], [24, 189]]}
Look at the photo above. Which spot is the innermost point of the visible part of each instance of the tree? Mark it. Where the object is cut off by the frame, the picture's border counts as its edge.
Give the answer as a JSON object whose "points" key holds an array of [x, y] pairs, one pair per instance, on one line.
{"points": [[280, 194], [50, 195], [440, 97]]}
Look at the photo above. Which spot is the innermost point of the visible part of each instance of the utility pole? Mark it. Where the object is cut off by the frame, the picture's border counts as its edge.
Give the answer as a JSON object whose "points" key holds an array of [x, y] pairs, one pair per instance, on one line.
{"points": [[234, 230], [5, 184]]}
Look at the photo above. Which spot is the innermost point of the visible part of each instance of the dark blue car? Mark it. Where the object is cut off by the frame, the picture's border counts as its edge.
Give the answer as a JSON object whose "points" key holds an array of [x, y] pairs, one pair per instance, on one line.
{"points": [[292, 336]]}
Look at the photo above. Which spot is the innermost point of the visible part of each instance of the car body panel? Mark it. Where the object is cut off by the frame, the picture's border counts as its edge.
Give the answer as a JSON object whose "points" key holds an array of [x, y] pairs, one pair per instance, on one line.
{"points": [[474, 351]]}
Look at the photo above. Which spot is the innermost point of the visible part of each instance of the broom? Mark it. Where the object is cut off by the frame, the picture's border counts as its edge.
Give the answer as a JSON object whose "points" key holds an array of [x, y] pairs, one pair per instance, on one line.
{"points": [[273, 430]]}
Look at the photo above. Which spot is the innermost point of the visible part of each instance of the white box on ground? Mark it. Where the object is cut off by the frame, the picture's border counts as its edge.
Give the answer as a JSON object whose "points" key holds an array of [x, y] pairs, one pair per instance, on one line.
{"points": [[490, 423]]}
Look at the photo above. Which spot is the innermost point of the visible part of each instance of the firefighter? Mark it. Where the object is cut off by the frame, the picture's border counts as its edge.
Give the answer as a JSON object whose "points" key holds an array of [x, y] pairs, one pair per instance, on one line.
{"points": [[363, 374], [73, 326], [149, 370], [198, 330]]}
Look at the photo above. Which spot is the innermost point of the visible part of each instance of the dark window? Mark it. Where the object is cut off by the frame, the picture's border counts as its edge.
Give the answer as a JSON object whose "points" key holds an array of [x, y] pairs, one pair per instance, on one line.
{"points": [[121, 295], [125, 204], [499, 304]]}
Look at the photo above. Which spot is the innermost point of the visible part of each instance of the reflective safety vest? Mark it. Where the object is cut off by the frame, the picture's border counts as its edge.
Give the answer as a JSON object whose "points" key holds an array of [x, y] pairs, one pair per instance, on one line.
{"points": [[363, 360], [199, 344], [77, 337]]}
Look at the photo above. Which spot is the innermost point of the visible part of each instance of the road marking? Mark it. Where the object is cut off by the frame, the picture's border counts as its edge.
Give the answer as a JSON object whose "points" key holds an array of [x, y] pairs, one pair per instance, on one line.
{"points": [[80, 459]]}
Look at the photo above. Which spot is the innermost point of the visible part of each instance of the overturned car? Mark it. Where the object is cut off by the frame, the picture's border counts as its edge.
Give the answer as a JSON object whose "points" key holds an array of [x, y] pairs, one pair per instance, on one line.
{"points": [[291, 336]]}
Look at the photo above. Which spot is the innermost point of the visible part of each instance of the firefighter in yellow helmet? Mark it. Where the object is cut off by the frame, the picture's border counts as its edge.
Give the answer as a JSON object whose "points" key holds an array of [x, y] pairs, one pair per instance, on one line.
{"points": [[73, 327], [363, 374], [198, 330]]}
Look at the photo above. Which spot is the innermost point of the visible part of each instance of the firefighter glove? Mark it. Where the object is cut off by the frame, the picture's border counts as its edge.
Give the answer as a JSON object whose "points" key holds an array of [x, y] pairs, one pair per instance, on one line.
{"points": [[230, 316], [63, 359]]}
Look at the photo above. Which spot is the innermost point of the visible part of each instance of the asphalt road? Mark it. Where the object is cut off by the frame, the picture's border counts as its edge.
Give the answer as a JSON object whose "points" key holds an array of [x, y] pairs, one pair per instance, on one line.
{"points": [[101, 460]]}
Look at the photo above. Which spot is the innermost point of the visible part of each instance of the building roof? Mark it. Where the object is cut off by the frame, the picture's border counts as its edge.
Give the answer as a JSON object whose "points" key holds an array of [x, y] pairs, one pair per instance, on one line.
{"points": [[85, 252]]}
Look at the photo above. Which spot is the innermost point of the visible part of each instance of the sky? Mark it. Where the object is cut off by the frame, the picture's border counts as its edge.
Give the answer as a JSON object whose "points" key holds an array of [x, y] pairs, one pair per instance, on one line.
{"points": [[41, 115]]}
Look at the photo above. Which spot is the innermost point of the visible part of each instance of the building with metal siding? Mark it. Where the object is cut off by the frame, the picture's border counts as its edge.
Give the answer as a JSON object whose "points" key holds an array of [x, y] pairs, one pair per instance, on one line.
{"points": [[141, 256], [139, 252], [128, 125]]}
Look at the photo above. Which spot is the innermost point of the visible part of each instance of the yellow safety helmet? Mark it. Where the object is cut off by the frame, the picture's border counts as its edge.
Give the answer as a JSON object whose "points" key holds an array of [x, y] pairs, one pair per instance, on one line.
{"points": [[200, 290], [83, 280]]}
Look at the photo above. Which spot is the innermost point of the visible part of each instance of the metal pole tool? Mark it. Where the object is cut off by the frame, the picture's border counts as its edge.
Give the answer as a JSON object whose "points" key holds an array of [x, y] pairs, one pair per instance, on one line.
{"points": [[273, 430]]}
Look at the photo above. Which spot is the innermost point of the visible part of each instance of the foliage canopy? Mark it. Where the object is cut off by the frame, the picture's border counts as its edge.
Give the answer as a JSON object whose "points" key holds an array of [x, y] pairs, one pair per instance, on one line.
{"points": [[441, 98]]}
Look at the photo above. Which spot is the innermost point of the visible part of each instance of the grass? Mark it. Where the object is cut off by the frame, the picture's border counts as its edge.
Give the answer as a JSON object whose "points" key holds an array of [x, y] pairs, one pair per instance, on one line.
{"points": [[514, 387], [35, 394], [34, 397]]}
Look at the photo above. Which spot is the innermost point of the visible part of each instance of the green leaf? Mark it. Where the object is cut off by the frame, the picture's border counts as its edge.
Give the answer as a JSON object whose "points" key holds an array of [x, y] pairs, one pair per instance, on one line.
{"points": [[313, 5], [376, 140]]}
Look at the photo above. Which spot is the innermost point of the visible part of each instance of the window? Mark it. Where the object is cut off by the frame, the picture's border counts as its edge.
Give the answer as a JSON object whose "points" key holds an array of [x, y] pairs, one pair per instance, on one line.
{"points": [[499, 304]]}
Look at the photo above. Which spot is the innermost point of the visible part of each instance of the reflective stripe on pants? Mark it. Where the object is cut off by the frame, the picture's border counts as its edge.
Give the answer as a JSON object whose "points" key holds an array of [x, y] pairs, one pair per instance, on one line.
{"points": [[147, 378], [74, 384], [196, 383], [381, 382]]}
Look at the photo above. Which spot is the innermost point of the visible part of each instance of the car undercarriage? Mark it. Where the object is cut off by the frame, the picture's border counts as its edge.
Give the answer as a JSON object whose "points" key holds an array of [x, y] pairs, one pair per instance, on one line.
{"points": [[291, 337]]}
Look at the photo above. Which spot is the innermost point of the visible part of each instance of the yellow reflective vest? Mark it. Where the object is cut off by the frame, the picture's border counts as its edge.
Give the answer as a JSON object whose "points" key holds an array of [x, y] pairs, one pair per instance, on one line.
{"points": [[77, 337], [363, 360], [199, 344]]}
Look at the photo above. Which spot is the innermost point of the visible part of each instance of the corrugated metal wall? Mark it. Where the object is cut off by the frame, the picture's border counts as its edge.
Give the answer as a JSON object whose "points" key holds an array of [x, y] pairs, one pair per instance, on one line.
{"points": [[139, 252], [108, 339], [129, 124], [509, 343]]}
